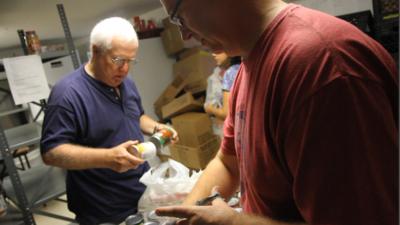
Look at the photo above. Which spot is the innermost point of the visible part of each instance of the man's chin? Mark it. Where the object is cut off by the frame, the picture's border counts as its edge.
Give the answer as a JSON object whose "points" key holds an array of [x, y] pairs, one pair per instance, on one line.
{"points": [[116, 82]]}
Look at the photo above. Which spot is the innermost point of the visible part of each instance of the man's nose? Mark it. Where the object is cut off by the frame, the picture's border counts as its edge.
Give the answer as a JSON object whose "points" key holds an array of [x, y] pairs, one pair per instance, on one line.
{"points": [[125, 67]]}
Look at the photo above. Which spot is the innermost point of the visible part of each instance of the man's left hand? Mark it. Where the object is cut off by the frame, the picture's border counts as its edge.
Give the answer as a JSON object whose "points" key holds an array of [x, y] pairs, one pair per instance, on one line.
{"points": [[219, 213], [175, 137]]}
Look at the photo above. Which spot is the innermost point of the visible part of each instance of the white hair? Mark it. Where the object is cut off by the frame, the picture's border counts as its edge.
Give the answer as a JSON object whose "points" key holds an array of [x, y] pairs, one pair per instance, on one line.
{"points": [[107, 29]]}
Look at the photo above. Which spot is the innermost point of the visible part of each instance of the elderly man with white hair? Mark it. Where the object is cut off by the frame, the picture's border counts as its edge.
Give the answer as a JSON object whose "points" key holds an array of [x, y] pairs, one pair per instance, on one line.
{"points": [[94, 116]]}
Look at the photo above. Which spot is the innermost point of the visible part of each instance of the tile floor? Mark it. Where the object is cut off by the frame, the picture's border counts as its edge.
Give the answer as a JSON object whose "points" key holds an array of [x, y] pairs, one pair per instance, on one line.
{"points": [[13, 216], [56, 207]]}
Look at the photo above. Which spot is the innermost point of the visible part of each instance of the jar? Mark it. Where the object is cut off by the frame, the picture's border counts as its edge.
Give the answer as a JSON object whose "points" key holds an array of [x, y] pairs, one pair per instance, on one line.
{"points": [[32, 42]]}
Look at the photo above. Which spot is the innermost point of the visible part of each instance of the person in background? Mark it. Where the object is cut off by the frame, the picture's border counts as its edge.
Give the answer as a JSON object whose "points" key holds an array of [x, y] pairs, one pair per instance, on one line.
{"points": [[214, 102], [93, 117], [230, 74], [220, 110], [311, 135]]}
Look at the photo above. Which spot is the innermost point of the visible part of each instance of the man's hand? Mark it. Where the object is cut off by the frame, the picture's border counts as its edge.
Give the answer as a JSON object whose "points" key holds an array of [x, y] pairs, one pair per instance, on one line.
{"points": [[219, 213], [175, 137], [122, 159]]}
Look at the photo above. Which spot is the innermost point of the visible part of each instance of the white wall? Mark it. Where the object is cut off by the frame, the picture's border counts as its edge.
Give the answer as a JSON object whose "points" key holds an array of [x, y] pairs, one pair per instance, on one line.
{"points": [[336, 7], [152, 73], [157, 15]]}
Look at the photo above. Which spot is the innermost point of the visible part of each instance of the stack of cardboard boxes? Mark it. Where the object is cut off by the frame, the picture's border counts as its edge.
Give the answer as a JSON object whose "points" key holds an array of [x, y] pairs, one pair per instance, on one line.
{"points": [[182, 101], [197, 143], [187, 90]]}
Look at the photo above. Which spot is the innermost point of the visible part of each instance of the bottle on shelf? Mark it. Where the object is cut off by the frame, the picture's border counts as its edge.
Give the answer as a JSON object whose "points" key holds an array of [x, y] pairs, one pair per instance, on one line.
{"points": [[32, 42]]}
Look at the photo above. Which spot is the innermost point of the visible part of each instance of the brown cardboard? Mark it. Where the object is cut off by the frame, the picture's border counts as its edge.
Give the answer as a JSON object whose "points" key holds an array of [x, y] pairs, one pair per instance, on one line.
{"points": [[196, 157], [195, 84], [189, 52], [158, 112], [182, 104], [171, 91], [200, 64], [167, 23], [194, 129], [172, 40]]}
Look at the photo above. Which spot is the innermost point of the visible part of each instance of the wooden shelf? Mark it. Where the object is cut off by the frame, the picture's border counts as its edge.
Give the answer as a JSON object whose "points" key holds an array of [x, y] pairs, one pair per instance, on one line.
{"points": [[150, 33]]}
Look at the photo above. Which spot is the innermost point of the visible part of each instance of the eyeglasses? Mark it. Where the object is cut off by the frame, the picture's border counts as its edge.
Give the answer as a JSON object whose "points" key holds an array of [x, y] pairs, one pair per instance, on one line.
{"points": [[119, 61], [174, 18]]}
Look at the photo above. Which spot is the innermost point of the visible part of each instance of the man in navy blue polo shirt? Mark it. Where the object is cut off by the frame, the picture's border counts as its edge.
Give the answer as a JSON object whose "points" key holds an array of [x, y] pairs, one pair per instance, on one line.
{"points": [[94, 116]]}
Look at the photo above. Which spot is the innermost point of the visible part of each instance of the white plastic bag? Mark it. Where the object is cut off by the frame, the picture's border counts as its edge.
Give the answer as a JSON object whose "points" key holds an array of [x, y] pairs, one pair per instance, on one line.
{"points": [[166, 188]]}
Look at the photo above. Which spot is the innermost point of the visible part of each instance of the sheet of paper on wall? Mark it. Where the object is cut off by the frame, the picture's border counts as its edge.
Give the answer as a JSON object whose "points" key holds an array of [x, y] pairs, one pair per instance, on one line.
{"points": [[26, 77]]}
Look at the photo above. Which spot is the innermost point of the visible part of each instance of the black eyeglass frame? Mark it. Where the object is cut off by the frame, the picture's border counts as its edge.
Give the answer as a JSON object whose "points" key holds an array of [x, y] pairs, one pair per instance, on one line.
{"points": [[173, 17]]}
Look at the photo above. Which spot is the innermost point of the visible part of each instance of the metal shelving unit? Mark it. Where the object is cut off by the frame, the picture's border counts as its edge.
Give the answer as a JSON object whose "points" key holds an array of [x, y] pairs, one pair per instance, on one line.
{"points": [[22, 187]]}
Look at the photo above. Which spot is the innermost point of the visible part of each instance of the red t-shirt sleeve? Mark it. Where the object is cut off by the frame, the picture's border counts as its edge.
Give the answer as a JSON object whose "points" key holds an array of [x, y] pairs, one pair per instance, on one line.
{"points": [[339, 149], [228, 141]]}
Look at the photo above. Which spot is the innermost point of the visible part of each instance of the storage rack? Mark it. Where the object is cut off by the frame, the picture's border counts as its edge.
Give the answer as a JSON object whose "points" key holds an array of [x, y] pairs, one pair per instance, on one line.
{"points": [[6, 148]]}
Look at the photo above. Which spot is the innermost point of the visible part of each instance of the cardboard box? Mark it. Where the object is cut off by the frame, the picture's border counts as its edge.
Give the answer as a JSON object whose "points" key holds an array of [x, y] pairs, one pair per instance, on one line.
{"points": [[167, 23], [182, 104], [195, 84], [192, 83], [171, 91], [194, 129], [172, 40], [158, 112], [188, 52], [196, 157], [200, 63]]}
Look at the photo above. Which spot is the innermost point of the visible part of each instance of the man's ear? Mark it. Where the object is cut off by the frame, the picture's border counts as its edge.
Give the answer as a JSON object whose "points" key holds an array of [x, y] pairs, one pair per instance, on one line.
{"points": [[96, 50]]}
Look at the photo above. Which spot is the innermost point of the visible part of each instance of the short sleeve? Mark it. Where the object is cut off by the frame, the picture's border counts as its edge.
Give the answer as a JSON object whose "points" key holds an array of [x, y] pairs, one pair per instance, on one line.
{"points": [[59, 127], [229, 77]]}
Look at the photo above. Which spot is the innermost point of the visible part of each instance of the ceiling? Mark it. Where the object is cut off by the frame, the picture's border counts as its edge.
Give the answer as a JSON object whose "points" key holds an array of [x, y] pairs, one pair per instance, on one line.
{"points": [[42, 16]]}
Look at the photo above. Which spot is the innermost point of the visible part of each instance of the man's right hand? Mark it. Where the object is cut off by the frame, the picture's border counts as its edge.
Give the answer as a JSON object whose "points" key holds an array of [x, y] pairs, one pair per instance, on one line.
{"points": [[122, 160]]}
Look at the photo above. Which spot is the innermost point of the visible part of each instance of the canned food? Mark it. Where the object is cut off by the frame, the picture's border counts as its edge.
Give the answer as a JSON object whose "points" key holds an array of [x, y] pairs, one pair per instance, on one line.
{"points": [[162, 137], [147, 150], [136, 219]]}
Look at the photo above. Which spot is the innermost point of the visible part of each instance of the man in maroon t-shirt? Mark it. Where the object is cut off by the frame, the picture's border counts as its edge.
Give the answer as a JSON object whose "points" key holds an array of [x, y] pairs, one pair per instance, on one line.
{"points": [[312, 132]]}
